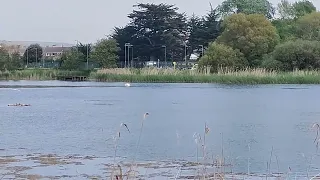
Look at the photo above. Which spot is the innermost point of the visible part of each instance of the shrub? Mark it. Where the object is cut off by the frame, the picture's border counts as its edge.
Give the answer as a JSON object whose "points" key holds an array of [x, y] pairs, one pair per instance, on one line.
{"points": [[219, 55], [298, 54]]}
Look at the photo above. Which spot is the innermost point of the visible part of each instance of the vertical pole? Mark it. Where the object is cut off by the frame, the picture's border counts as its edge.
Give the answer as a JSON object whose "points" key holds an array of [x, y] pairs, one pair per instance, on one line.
{"points": [[87, 57], [125, 55], [36, 55], [165, 56], [185, 54], [132, 57], [202, 51], [128, 64], [27, 57]]}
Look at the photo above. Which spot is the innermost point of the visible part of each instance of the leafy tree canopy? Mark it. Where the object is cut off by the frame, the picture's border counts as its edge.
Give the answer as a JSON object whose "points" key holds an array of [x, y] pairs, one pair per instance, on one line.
{"points": [[222, 56], [154, 25], [105, 53], [33, 53], [308, 26], [253, 35], [264, 7], [298, 54], [71, 60], [295, 10]]}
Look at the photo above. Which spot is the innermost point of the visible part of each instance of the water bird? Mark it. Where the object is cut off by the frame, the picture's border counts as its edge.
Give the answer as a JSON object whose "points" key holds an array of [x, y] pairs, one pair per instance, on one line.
{"points": [[15, 89], [127, 84]]}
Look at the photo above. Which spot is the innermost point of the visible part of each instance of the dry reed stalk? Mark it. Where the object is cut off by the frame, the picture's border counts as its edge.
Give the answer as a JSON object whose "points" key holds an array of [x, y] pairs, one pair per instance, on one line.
{"points": [[145, 115], [248, 167], [270, 161], [116, 141], [180, 167]]}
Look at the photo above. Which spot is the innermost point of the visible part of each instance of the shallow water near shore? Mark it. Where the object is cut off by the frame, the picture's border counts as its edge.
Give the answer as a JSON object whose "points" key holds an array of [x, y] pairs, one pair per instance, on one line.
{"points": [[67, 131]]}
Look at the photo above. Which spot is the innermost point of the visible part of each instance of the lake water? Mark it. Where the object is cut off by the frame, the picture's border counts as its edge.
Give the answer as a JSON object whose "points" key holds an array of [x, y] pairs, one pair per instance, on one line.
{"points": [[249, 123]]}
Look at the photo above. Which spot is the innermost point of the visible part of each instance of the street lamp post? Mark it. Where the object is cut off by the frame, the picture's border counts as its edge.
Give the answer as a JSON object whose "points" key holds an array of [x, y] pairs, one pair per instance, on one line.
{"points": [[127, 57], [202, 52], [125, 54], [165, 55], [27, 58], [131, 56], [36, 55], [185, 54], [88, 56]]}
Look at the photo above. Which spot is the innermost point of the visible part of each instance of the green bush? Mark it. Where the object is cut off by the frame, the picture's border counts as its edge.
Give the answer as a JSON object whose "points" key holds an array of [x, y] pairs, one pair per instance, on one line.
{"points": [[220, 55], [270, 63], [298, 54]]}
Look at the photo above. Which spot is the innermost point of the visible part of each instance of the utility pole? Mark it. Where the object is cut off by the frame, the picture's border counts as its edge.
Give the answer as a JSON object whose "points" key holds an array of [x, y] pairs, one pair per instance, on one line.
{"points": [[87, 56], [36, 55], [202, 50], [185, 53], [132, 56], [125, 54], [165, 55], [27, 57]]}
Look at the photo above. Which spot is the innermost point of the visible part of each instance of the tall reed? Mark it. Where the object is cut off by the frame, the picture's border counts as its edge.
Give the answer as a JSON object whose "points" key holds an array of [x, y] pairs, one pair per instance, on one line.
{"points": [[224, 76], [39, 74]]}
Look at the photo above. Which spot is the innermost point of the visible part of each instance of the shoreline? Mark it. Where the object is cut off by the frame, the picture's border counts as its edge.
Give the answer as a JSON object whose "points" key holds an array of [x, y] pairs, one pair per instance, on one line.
{"points": [[75, 166]]}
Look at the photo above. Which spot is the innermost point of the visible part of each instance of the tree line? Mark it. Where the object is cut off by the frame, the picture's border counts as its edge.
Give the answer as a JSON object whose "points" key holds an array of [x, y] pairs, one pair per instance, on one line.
{"points": [[235, 34]]}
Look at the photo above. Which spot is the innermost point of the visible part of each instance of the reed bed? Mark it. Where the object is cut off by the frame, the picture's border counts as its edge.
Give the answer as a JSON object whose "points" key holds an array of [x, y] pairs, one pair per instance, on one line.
{"points": [[223, 76], [39, 74], [153, 75]]}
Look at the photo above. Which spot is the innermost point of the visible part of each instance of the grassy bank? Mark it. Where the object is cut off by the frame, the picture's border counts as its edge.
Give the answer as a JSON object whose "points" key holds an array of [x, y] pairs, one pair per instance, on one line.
{"points": [[254, 76], [39, 74]]}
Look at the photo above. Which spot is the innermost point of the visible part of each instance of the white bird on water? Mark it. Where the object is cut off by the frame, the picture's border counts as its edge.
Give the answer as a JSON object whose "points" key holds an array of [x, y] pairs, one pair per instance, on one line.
{"points": [[127, 84], [15, 89]]}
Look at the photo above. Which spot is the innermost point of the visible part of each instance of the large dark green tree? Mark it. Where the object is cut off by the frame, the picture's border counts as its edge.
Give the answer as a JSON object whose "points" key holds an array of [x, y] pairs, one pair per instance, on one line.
{"points": [[195, 30], [152, 27], [33, 54], [126, 35], [203, 30]]}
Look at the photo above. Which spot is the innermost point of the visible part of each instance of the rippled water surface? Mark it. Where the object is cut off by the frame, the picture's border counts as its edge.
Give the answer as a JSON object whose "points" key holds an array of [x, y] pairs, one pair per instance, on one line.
{"points": [[73, 124]]}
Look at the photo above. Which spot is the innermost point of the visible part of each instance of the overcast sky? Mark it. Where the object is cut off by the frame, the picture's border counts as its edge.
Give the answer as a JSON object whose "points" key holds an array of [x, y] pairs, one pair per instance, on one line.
{"points": [[82, 20]]}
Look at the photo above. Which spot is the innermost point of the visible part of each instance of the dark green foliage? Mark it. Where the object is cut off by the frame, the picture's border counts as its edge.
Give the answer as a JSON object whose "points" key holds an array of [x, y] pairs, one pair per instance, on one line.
{"points": [[71, 60], [203, 30], [222, 56], [151, 27], [299, 54], [105, 53], [85, 49], [4, 59], [33, 54], [252, 34]]}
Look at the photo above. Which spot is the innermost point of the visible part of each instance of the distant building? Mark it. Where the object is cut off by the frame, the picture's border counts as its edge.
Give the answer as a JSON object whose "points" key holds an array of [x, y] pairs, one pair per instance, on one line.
{"points": [[51, 50], [54, 52]]}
